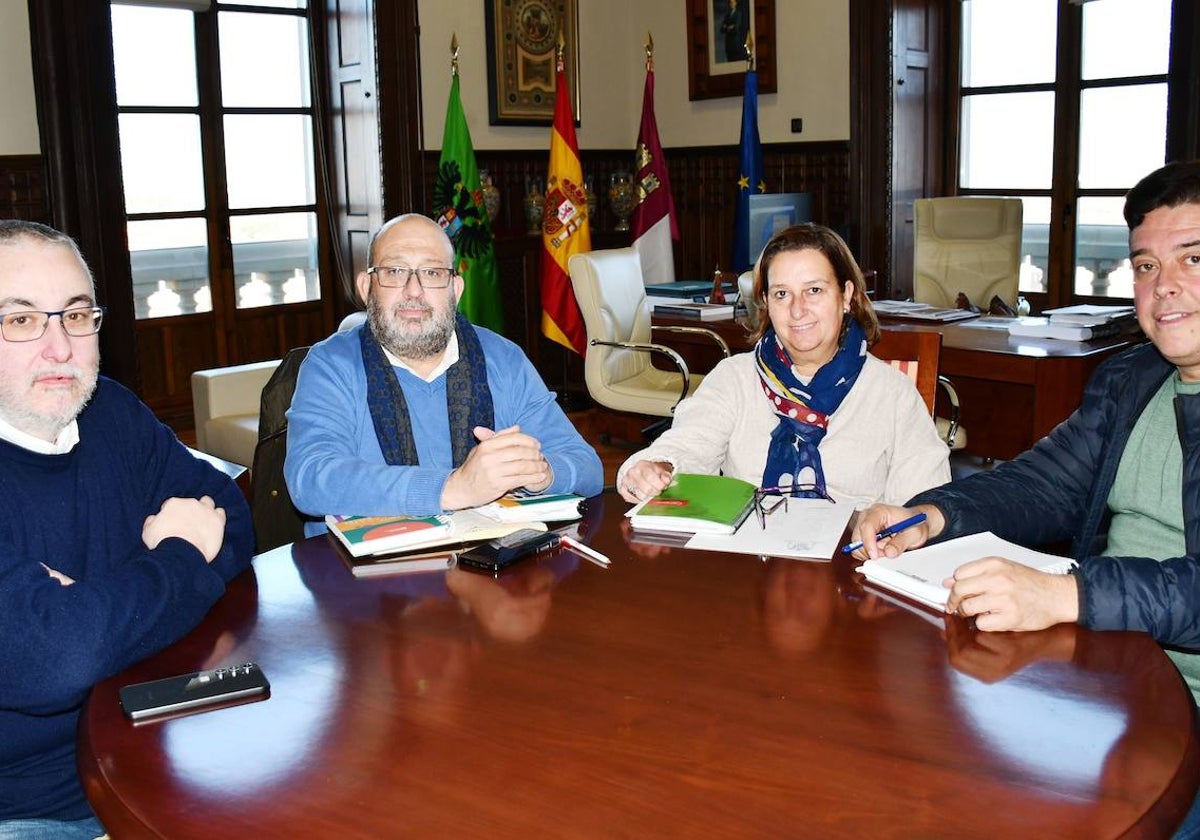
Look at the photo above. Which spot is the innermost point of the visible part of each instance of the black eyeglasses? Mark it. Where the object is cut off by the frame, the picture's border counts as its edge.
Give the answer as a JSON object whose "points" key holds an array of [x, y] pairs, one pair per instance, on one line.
{"points": [[397, 276], [762, 510], [78, 321]]}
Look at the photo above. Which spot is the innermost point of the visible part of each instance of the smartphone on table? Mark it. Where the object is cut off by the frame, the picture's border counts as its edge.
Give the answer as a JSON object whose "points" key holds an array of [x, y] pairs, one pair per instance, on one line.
{"points": [[496, 555]]}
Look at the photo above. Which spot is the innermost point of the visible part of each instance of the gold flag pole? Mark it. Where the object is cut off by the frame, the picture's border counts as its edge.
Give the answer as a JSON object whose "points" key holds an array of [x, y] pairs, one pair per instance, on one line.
{"points": [[454, 54], [649, 52], [749, 45]]}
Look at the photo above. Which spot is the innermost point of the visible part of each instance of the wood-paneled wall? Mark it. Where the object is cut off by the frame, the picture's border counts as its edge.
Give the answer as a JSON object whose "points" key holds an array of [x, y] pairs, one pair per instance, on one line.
{"points": [[703, 183], [23, 188]]}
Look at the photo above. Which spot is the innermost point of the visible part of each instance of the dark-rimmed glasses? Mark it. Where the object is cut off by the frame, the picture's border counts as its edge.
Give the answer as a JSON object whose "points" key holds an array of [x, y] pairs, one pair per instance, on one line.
{"points": [[762, 510], [30, 325], [397, 276]]}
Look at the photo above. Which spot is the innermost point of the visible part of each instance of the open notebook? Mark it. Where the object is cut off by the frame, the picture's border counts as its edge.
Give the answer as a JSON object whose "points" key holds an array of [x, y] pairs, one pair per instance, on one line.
{"points": [[918, 574]]}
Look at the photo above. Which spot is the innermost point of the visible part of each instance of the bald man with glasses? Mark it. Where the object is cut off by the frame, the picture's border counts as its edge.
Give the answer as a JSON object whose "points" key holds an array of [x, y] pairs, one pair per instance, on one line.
{"points": [[114, 540], [417, 411]]}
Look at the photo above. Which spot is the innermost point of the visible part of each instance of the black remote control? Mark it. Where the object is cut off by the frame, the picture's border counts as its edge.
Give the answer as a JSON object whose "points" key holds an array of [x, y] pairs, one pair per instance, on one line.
{"points": [[191, 691]]}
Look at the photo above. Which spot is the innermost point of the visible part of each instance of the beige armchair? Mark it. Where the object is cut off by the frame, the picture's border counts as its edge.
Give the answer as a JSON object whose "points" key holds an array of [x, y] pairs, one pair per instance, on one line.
{"points": [[225, 403], [617, 367], [968, 245]]}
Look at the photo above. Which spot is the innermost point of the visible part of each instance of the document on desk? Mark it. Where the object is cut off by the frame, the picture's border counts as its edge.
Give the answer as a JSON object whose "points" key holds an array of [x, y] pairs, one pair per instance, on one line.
{"points": [[918, 574], [810, 529]]}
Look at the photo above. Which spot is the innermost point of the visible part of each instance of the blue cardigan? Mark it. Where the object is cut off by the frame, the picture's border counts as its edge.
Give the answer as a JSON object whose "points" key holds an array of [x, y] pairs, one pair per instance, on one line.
{"points": [[1059, 490], [334, 463], [81, 513]]}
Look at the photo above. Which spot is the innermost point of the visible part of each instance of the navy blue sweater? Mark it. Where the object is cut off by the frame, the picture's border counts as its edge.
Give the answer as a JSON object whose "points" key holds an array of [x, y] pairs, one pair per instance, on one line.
{"points": [[81, 513]]}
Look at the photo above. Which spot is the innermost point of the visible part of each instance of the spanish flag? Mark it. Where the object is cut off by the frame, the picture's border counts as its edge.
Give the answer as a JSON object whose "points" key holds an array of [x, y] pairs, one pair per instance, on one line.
{"points": [[565, 229]]}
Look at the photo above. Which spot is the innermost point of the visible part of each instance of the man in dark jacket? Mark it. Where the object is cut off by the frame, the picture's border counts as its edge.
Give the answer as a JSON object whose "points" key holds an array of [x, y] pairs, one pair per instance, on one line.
{"points": [[1120, 477]]}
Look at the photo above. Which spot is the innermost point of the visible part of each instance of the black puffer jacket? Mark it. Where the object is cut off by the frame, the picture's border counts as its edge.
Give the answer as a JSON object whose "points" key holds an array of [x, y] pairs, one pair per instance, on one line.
{"points": [[1059, 490]]}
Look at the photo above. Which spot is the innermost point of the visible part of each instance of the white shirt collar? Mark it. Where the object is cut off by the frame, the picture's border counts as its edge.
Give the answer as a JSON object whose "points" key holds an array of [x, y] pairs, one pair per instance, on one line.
{"points": [[449, 357], [65, 442]]}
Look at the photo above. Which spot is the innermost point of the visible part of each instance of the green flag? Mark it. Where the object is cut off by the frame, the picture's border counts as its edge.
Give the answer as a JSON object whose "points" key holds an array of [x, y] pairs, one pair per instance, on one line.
{"points": [[458, 208]]}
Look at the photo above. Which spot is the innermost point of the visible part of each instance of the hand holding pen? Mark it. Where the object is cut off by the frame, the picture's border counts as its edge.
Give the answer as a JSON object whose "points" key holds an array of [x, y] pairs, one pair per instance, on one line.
{"points": [[897, 528]]}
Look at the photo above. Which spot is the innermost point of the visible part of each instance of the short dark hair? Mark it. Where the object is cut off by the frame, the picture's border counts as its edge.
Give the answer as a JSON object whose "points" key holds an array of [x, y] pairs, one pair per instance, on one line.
{"points": [[815, 237], [1169, 186], [14, 230]]}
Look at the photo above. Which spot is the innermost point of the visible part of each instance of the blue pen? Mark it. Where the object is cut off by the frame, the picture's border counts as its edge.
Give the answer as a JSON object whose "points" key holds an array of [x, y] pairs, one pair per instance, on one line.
{"points": [[889, 531]]}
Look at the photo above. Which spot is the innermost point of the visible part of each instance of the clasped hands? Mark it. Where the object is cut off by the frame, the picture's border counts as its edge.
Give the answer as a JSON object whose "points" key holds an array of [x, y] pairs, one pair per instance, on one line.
{"points": [[998, 593], [503, 461]]}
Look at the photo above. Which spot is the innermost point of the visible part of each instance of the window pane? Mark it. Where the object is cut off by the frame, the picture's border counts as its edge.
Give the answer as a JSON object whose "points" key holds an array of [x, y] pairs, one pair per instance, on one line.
{"points": [[269, 160], [274, 4], [275, 259], [1122, 135], [160, 162], [154, 56], [247, 81], [1007, 141], [1035, 249], [1102, 248], [1008, 42], [169, 259], [1126, 38]]}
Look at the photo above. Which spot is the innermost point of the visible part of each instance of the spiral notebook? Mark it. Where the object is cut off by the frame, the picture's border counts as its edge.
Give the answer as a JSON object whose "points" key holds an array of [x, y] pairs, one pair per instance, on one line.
{"points": [[918, 574]]}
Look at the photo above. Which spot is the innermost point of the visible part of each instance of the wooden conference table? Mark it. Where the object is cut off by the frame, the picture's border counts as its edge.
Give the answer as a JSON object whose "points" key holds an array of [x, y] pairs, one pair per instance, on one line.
{"points": [[1013, 390], [678, 693]]}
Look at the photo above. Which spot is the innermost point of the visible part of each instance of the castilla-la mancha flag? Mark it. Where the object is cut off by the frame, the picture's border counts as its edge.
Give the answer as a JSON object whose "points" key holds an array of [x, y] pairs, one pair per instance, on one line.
{"points": [[654, 225], [565, 228]]}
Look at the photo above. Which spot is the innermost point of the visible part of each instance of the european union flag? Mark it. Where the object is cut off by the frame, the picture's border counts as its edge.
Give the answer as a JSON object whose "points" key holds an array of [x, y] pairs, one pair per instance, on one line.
{"points": [[750, 173]]}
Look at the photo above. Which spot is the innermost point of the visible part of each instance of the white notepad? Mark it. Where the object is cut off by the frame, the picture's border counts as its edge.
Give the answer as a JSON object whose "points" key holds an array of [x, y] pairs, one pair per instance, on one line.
{"points": [[809, 529], [919, 573]]}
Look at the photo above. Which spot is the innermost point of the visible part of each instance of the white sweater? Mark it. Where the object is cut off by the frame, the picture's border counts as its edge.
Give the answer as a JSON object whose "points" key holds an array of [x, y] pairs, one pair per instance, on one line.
{"points": [[881, 445]]}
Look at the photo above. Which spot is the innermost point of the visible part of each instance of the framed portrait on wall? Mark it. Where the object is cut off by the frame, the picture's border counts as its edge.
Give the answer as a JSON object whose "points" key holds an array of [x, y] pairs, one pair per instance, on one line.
{"points": [[717, 32], [522, 36]]}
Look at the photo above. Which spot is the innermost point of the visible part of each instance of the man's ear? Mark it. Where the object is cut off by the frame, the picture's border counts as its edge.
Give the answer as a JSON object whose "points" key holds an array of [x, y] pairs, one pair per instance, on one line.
{"points": [[362, 283], [459, 285]]}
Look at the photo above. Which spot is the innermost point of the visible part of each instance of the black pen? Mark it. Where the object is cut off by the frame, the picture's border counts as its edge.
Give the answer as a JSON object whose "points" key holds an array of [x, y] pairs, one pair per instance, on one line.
{"points": [[890, 530]]}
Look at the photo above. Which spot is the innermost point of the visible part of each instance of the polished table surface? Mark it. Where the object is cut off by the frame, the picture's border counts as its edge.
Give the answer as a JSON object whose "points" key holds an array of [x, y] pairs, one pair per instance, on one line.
{"points": [[1013, 390], [679, 693]]}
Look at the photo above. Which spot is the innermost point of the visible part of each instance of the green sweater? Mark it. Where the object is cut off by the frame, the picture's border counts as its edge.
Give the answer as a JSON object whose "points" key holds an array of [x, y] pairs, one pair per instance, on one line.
{"points": [[1147, 497]]}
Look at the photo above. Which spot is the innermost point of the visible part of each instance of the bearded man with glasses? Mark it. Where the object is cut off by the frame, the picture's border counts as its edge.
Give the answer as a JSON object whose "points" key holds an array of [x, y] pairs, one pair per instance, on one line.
{"points": [[417, 411], [114, 540]]}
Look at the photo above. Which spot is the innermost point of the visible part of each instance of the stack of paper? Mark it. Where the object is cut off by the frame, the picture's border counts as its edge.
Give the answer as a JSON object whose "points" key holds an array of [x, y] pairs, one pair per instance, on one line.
{"points": [[809, 529], [517, 507], [910, 310], [700, 311], [1048, 328], [1088, 315]]}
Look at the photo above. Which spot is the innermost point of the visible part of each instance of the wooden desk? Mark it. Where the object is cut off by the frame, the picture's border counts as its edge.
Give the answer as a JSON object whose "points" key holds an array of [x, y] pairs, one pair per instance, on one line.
{"points": [[682, 694], [1013, 390]]}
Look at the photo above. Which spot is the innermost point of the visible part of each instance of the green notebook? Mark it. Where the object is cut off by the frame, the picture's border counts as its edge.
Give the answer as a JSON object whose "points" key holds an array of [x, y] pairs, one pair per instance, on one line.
{"points": [[697, 504]]}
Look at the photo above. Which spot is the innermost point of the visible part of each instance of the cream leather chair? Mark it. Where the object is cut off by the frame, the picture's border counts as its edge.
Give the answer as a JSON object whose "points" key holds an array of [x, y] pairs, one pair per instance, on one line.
{"points": [[617, 367], [745, 284], [968, 245], [225, 404]]}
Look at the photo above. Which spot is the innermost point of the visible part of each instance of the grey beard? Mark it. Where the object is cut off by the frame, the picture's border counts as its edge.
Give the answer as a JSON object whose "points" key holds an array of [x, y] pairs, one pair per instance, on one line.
{"points": [[429, 342]]}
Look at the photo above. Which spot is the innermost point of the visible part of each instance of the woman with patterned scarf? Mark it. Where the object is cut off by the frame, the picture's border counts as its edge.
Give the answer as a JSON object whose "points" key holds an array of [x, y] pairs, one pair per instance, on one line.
{"points": [[809, 408]]}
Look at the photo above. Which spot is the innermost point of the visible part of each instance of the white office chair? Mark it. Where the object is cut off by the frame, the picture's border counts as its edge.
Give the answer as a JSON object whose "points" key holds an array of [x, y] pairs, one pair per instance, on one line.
{"points": [[617, 366]]}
